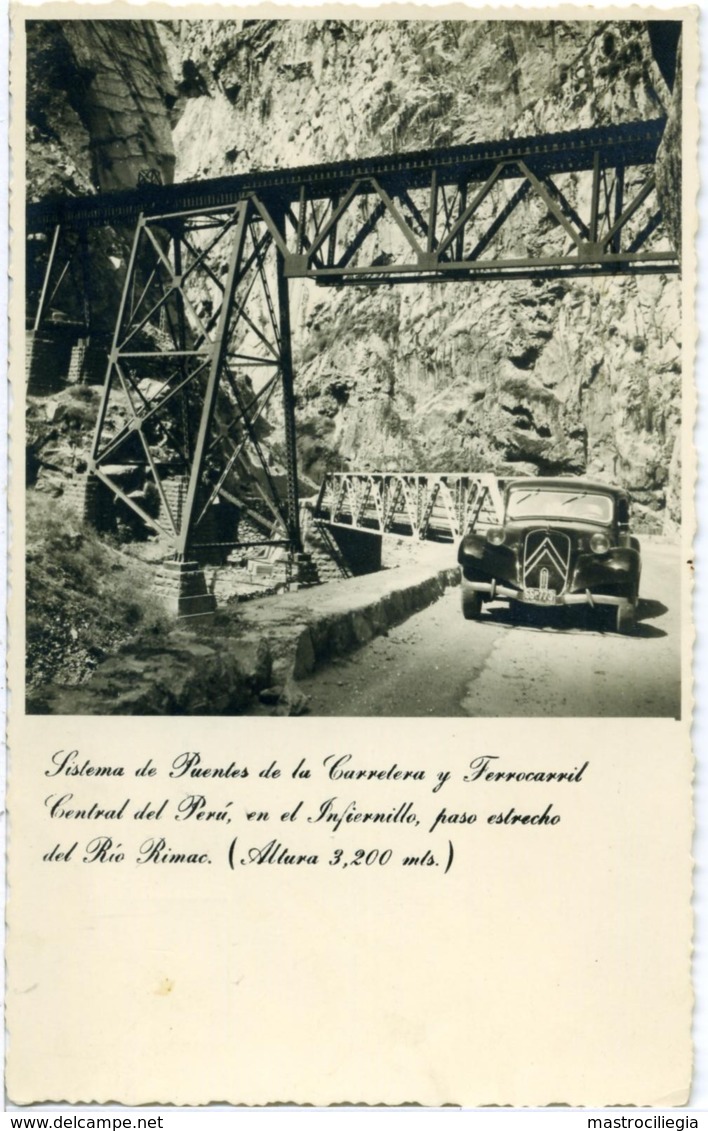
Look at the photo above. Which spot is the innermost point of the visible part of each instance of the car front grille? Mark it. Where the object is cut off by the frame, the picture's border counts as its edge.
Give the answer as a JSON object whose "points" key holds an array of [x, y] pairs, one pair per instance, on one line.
{"points": [[546, 560]]}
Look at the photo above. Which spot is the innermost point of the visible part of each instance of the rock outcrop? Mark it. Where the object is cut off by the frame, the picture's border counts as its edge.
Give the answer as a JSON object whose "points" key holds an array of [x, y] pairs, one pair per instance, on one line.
{"points": [[668, 165], [99, 95], [99, 101], [559, 377]]}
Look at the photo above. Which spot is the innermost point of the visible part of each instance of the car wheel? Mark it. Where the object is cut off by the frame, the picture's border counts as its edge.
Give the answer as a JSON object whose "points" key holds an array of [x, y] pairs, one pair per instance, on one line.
{"points": [[626, 619], [471, 604]]}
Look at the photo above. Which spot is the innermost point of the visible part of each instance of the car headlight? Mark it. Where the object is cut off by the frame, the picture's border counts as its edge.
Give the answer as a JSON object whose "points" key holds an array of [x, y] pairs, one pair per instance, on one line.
{"points": [[599, 543], [495, 535]]}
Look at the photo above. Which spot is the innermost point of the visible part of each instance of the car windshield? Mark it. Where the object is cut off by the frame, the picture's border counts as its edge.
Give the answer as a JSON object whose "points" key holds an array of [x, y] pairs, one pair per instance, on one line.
{"points": [[567, 504]]}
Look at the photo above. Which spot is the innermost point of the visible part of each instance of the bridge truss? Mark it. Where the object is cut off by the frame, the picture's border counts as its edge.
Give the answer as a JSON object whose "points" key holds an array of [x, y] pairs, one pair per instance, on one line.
{"points": [[434, 507], [202, 338]]}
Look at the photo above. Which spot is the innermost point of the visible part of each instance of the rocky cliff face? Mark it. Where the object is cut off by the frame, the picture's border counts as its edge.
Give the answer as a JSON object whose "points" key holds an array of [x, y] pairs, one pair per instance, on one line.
{"points": [[269, 93], [99, 100], [99, 94], [569, 376], [668, 166], [581, 376]]}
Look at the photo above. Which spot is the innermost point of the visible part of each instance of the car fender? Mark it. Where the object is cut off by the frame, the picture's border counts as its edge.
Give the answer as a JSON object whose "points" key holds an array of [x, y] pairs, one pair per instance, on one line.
{"points": [[482, 561], [620, 564], [625, 558], [472, 546]]}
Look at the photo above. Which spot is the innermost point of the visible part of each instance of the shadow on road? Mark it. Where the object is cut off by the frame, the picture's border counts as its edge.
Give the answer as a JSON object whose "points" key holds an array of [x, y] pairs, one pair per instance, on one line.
{"points": [[580, 619], [649, 610]]}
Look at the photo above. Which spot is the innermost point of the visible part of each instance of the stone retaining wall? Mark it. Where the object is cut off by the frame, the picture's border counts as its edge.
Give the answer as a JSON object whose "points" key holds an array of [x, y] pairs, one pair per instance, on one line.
{"points": [[47, 354], [87, 363], [262, 648], [90, 499]]}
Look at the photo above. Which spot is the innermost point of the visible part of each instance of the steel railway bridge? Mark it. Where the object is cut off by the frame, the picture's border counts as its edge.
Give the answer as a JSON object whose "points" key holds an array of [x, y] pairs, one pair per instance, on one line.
{"points": [[201, 340]]}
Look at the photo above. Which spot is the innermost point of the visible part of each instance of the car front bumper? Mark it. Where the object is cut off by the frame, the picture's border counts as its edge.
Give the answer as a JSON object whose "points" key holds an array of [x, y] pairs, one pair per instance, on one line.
{"points": [[494, 591]]}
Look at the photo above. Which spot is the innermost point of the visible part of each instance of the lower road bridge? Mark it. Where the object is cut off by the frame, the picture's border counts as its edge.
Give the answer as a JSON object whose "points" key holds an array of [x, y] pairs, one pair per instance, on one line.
{"points": [[432, 506]]}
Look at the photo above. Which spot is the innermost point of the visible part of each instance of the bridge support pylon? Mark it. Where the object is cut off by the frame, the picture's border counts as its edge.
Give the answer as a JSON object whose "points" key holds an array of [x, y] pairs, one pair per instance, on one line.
{"points": [[201, 344]]}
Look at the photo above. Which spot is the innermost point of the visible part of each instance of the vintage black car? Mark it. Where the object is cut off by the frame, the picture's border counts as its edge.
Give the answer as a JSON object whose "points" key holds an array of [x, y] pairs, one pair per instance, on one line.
{"points": [[561, 542]]}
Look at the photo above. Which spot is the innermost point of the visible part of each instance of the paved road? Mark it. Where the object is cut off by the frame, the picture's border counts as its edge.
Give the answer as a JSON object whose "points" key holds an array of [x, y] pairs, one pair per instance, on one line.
{"points": [[552, 662]]}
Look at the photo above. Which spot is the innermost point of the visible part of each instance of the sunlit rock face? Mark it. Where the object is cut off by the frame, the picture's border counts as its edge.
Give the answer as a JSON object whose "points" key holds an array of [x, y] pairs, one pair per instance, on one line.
{"points": [[558, 376], [577, 376], [273, 93], [668, 166]]}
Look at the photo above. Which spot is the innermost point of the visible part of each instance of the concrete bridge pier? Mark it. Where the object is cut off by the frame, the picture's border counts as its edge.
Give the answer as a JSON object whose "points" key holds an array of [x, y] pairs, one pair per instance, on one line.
{"points": [[334, 552], [183, 589], [361, 550]]}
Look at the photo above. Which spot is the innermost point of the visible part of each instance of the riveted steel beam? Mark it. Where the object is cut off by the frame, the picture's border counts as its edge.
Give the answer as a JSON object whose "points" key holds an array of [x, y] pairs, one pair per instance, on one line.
{"points": [[635, 143], [177, 366], [219, 346]]}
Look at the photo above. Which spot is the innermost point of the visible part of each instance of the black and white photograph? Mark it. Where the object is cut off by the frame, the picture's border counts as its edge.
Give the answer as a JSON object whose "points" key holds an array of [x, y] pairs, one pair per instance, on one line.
{"points": [[352, 500], [352, 361], [354, 367]]}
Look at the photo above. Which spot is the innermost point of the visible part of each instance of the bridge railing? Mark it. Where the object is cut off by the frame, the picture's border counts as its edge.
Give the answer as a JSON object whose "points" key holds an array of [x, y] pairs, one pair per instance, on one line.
{"points": [[438, 507]]}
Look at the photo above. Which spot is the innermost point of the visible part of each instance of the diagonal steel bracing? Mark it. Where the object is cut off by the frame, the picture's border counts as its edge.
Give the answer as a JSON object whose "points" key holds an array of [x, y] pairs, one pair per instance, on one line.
{"points": [[425, 506]]}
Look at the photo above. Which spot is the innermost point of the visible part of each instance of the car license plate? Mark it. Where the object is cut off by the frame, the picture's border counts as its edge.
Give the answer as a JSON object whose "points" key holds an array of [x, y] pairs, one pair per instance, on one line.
{"points": [[540, 596]]}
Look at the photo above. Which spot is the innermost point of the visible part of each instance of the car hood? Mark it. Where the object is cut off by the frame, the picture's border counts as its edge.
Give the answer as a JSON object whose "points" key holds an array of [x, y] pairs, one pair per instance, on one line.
{"points": [[519, 528]]}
